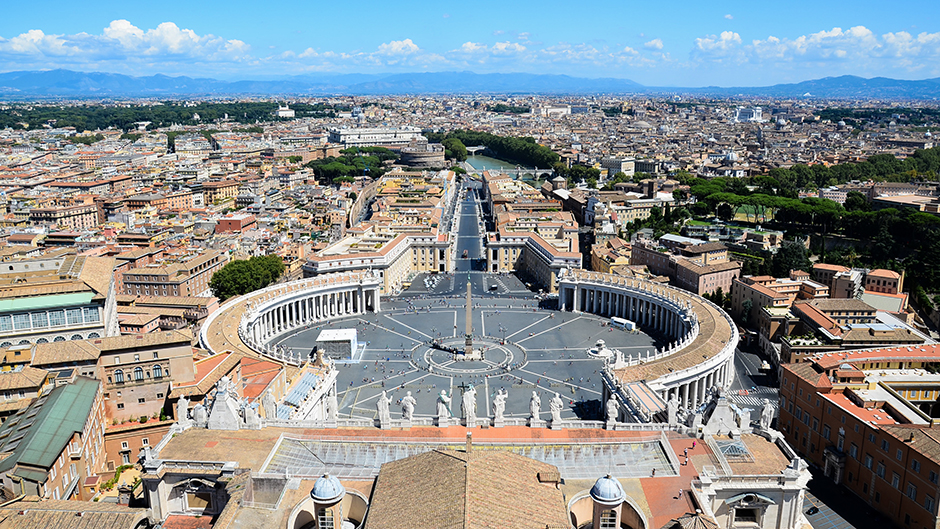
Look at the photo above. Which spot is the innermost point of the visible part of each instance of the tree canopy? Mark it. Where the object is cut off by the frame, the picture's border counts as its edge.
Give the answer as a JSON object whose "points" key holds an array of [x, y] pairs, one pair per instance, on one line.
{"points": [[241, 277]]}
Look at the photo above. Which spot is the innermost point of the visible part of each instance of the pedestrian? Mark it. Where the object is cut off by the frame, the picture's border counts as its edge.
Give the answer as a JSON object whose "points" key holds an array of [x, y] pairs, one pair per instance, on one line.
{"points": [[686, 453], [653, 475], [680, 494], [693, 445], [686, 460]]}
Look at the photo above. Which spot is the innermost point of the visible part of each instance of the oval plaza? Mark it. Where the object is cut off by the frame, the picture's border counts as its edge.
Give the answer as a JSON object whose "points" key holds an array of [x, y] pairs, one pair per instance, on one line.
{"points": [[594, 413]]}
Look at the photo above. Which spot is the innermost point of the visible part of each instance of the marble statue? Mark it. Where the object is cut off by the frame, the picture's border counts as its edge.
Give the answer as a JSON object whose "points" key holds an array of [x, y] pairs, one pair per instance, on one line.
{"points": [[200, 416], [499, 404], [672, 407], [252, 420], [613, 409], [468, 406], [443, 405], [381, 405], [332, 407], [556, 405], [408, 406], [766, 415], [182, 412], [269, 405], [534, 404]]}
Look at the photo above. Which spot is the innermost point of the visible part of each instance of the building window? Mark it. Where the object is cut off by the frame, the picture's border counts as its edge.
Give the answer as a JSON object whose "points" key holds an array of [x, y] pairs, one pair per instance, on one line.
{"points": [[899, 455], [118, 376], [912, 492], [915, 465], [884, 445], [157, 372], [868, 461], [141, 401], [145, 441], [895, 480], [826, 431], [126, 458], [608, 519], [853, 451], [933, 477], [138, 373], [928, 502], [120, 405], [123, 445], [325, 517], [745, 515], [880, 470]]}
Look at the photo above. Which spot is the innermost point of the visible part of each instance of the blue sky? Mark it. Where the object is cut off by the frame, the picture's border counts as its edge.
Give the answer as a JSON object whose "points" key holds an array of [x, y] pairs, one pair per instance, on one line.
{"points": [[733, 43]]}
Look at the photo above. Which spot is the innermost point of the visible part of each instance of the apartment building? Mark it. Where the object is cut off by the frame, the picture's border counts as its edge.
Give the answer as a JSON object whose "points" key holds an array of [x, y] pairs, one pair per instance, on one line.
{"points": [[768, 291], [55, 443], [79, 217], [188, 277], [868, 418], [693, 265], [57, 298]]}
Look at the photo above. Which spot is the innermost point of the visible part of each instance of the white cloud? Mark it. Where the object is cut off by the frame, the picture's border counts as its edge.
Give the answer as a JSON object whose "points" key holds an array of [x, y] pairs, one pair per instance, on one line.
{"points": [[729, 17], [507, 47], [724, 42], [122, 42], [655, 44], [523, 36], [856, 50], [399, 47]]}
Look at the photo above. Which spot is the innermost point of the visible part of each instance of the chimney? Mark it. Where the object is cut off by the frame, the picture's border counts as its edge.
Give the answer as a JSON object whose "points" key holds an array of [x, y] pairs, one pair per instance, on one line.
{"points": [[469, 443]]}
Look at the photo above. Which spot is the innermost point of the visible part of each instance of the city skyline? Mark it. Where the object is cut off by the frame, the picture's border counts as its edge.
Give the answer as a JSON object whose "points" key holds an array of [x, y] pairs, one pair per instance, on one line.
{"points": [[734, 44]]}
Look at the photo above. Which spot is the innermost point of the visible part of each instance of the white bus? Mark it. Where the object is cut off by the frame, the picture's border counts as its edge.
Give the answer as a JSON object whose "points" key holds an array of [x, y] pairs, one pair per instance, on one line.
{"points": [[621, 323]]}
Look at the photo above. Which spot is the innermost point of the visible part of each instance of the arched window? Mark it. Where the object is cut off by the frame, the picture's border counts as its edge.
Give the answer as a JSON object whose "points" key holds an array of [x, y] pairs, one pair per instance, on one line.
{"points": [[77, 337], [93, 335], [608, 520], [59, 339], [138, 373], [325, 517], [118, 376], [157, 371], [42, 340]]}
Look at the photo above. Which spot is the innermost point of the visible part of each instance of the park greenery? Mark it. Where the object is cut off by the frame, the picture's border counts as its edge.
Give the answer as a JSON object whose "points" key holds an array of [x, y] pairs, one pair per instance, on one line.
{"points": [[95, 117], [858, 235], [524, 151], [352, 162], [244, 276], [454, 149], [504, 108]]}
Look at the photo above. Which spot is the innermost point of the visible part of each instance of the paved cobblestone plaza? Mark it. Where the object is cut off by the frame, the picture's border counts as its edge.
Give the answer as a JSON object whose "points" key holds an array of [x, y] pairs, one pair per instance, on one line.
{"points": [[544, 351]]}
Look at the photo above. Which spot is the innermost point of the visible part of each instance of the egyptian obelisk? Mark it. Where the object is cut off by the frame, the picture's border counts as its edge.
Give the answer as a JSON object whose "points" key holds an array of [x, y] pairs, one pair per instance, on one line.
{"points": [[468, 351]]}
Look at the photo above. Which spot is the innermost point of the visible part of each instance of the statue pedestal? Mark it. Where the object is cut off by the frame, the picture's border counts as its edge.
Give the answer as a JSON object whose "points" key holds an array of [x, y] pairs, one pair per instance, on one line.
{"points": [[329, 423], [499, 422], [443, 422], [611, 425], [406, 423], [385, 425], [557, 425], [536, 423]]}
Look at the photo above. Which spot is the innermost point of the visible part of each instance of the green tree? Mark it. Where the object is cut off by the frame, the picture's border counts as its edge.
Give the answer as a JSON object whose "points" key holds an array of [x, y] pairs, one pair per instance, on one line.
{"points": [[790, 256], [455, 149], [241, 277], [855, 201], [746, 308]]}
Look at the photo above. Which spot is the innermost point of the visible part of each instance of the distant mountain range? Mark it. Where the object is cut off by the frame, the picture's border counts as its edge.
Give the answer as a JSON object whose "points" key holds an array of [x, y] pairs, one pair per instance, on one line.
{"points": [[68, 83]]}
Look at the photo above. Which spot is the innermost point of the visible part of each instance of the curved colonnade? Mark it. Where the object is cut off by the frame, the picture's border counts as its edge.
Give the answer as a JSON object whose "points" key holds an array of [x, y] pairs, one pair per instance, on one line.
{"points": [[702, 336], [250, 322]]}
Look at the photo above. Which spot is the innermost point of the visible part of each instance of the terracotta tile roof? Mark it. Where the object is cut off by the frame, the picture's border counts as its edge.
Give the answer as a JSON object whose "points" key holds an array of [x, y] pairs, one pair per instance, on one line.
{"points": [[28, 377], [486, 488], [208, 372], [62, 514]]}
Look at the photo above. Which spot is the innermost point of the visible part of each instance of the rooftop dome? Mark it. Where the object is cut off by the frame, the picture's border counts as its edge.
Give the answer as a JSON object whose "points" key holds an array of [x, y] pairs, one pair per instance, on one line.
{"points": [[327, 489], [642, 125], [608, 491]]}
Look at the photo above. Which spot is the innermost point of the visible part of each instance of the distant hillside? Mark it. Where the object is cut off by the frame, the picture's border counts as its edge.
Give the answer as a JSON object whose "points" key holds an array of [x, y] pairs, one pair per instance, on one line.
{"points": [[67, 83]]}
